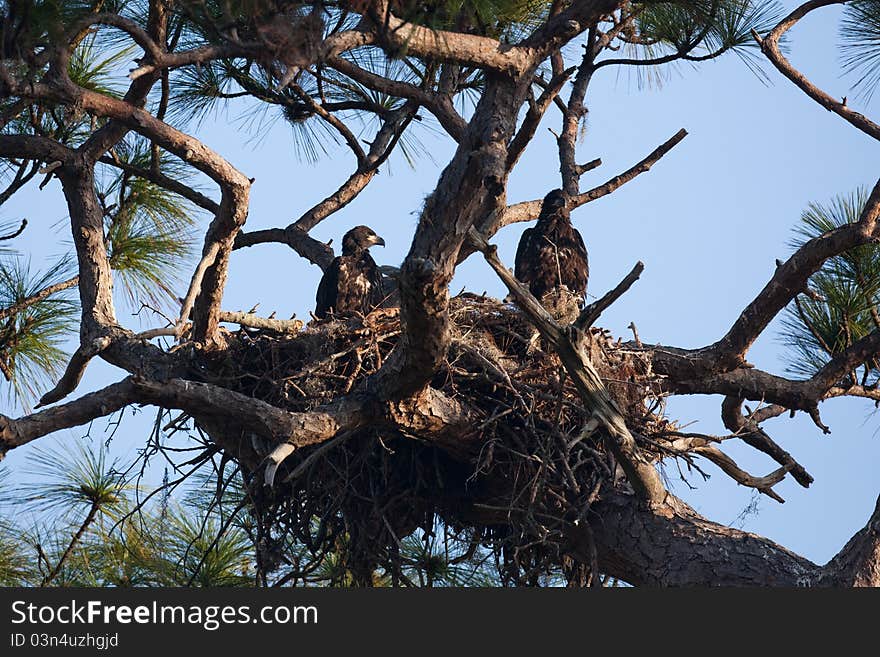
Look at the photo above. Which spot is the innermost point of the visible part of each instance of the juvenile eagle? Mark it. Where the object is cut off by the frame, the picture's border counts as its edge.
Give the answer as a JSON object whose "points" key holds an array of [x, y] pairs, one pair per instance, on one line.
{"points": [[552, 254], [352, 282]]}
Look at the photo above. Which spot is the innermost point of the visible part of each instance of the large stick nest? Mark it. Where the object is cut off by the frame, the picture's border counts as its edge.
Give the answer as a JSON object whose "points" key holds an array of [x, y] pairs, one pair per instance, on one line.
{"points": [[530, 456]]}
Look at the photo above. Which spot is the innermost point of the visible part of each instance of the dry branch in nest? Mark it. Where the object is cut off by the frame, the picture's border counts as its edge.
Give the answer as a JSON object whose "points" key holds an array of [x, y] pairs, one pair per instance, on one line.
{"points": [[532, 454]]}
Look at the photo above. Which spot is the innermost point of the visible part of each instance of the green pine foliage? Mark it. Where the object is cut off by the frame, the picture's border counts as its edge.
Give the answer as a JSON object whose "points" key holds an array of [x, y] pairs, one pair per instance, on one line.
{"points": [[93, 69], [860, 44], [70, 479], [205, 537], [696, 30], [843, 304], [31, 340], [15, 563], [148, 229]]}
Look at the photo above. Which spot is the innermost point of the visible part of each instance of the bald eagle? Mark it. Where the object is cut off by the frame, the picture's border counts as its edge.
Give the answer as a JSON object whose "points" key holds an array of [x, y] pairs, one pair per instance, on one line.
{"points": [[352, 282], [552, 255]]}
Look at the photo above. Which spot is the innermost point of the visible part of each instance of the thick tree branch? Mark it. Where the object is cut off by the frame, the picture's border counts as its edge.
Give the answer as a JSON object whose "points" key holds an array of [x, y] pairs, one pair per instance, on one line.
{"points": [[674, 546], [859, 352], [75, 369], [396, 35], [561, 28], [790, 278], [196, 399], [308, 247], [103, 139], [693, 372], [208, 260], [574, 113], [235, 187], [253, 321], [858, 563], [33, 147], [87, 228], [470, 187], [431, 416], [671, 545]]}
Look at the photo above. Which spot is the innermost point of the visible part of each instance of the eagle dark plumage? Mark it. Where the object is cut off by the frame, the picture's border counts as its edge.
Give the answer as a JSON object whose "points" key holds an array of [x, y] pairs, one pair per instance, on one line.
{"points": [[552, 254], [352, 282]]}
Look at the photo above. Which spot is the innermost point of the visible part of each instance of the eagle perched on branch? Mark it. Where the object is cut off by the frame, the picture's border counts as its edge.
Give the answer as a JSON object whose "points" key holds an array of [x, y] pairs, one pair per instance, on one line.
{"points": [[552, 255], [352, 282]]}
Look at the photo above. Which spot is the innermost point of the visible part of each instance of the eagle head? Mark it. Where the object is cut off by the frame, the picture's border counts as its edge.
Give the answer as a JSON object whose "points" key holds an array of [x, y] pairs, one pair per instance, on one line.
{"points": [[360, 238], [555, 200]]}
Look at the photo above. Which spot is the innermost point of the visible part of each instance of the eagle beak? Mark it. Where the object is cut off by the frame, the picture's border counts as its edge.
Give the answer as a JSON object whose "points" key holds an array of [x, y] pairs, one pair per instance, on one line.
{"points": [[378, 240]]}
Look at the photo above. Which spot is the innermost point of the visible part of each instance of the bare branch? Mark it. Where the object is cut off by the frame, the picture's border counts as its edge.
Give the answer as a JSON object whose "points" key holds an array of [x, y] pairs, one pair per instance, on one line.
{"points": [[209, 257], [770, 47], [153, 42], [581, 169], [347, 192], [753, 435], [574, 113], [75, 370], [160, 179], [233, 207], [253, 321], [87, 230], [579, 16], [591, 313], [859, 352], [440, 45], [438, 104], [296, 234], [731, 469], [695, 372], [308, 247], [43, 294], [26, 172], [13, 235], [196, 398], [533, 117], [33, 147], [529, 210]]}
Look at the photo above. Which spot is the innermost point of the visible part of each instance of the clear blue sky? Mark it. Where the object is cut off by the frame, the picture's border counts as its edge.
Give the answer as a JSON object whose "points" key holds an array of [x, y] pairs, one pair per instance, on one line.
{"points": [[708, 221]]}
